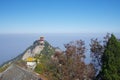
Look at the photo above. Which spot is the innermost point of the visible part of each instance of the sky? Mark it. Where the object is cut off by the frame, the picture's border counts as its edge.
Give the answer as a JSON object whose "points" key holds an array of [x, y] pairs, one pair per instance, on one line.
{"points": [[59, 16]]}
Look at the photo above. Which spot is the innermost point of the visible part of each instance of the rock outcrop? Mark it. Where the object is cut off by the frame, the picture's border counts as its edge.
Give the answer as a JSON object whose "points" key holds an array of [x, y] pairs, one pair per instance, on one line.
{"points": [[36, 48], [15, 72]]}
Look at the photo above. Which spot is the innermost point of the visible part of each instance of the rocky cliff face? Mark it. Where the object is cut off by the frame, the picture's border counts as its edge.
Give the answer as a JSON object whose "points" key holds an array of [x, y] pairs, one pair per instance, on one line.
{"points": [[15, 72], [34, 49]]}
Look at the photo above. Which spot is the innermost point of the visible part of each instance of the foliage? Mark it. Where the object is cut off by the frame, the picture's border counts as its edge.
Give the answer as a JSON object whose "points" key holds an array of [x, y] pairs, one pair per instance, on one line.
{"points": [[106, 58], [48, 50], [39, 68], [69, 65], [97, 49], [111, 60], [43, 58], [3, 68]]}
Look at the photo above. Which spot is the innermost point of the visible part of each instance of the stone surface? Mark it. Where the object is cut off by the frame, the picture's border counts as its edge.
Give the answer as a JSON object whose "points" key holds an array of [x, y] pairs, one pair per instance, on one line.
{"points": [[15, 72], [36, 48]]}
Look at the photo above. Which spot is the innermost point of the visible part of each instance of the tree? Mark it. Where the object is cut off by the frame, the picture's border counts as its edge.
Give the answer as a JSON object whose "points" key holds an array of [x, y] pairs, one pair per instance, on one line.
{"points": [[97, 49], [96, 53], [111, 60], [70, 65]]}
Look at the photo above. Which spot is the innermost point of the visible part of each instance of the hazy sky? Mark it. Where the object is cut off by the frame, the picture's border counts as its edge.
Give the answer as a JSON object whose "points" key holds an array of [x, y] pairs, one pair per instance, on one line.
{"points": [[59, 16]]}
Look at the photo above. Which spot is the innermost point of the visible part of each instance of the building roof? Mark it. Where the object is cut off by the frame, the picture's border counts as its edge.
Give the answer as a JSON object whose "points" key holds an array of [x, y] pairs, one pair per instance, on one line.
{"points": [[41, 38], [15, 72], [30, 59]]}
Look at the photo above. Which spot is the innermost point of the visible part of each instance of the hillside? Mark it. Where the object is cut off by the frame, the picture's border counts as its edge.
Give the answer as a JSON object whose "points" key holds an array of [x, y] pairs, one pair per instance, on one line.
{"points": [[35, 50]]}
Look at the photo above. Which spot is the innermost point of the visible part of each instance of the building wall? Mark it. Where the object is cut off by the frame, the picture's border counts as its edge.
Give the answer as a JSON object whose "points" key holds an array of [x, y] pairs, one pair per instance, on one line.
{"points": [[31, 65]]}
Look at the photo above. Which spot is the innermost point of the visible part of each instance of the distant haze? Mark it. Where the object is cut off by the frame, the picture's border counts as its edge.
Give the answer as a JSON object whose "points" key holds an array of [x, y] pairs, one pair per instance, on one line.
{"points": [[12, 45]]}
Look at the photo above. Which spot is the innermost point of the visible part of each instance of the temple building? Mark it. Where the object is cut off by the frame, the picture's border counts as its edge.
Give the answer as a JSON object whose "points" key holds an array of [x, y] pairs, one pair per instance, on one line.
{"points": [[31, 62], [30, 53], [41, 41]]}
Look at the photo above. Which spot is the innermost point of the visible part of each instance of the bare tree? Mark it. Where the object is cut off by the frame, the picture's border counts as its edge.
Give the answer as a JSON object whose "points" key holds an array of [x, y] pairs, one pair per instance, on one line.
{"points": [[70, 65], [97, 48]]}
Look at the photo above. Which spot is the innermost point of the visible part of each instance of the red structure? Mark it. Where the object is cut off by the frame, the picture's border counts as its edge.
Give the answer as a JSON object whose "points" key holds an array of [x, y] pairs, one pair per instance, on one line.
{"points": [[41, 41], [41, 38]]}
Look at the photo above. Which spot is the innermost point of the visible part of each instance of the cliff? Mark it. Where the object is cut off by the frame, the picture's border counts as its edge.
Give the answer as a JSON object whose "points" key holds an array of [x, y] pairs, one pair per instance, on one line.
{"points": [[33, 50], [17, 69]]}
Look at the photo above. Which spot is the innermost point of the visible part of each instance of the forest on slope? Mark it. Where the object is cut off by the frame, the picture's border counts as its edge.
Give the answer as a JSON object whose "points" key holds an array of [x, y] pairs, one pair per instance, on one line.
{"points": [[70, 64]]}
